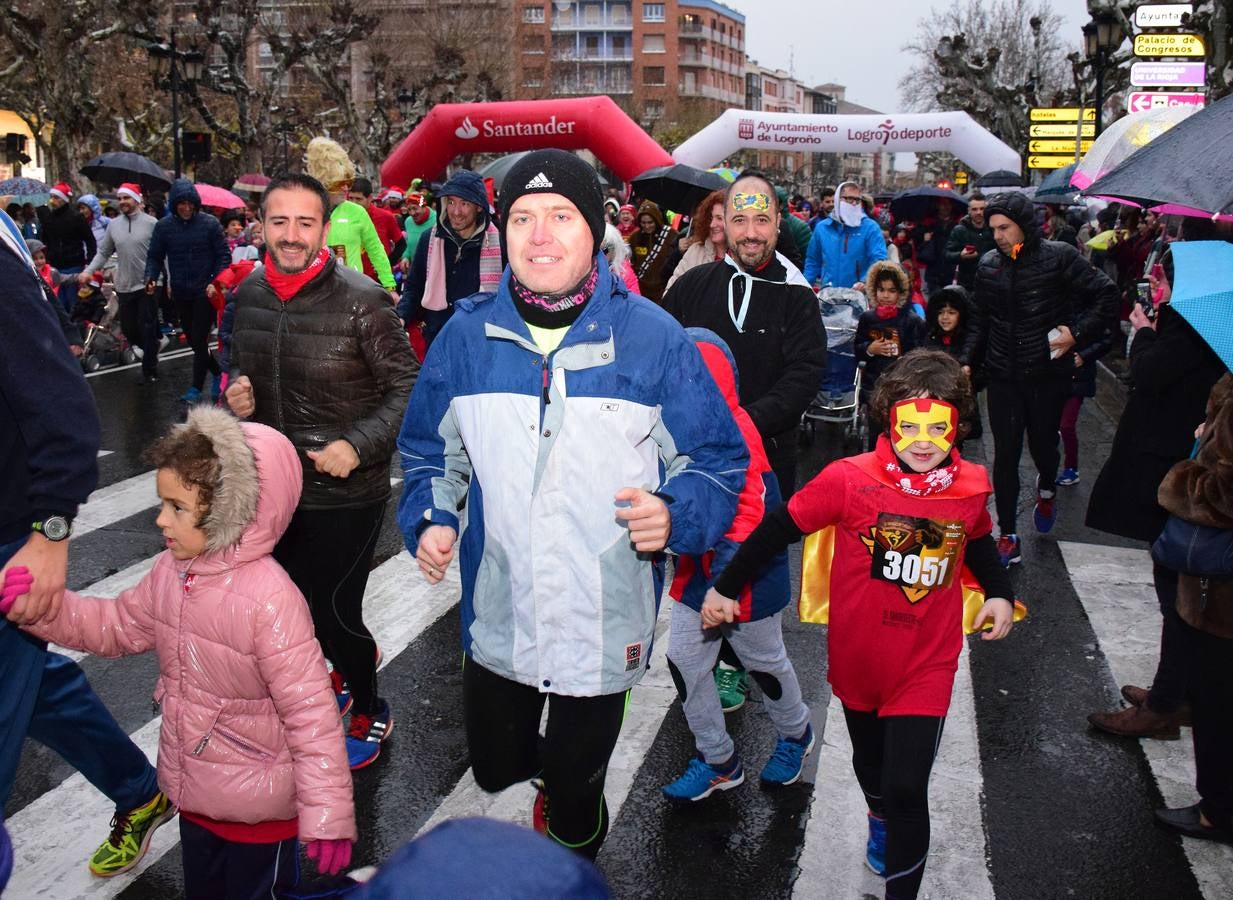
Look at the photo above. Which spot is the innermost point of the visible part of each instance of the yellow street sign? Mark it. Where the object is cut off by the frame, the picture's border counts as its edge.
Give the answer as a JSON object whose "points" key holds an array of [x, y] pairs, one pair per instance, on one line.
{"points": [[961, 178], [1049, 162], [1061, 130], [1169, 45], [1058, 146], [1062, 114]]}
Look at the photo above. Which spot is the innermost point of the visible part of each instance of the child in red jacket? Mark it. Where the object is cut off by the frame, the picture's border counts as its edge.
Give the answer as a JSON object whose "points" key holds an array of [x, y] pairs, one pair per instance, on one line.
{"points": [[905, 519], [753, 631]]}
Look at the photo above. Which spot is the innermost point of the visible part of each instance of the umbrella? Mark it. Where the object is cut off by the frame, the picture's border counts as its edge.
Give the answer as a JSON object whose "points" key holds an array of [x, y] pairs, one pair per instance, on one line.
{"points": [[25, 190], [1188, 165], [253, 182], [119, 167], [727, 173], [915, 204], [499, 168], [219, 198], [1177, 209], [1202, 294], [678, 186], [999, 178], [1055, 187], [1123, 138]]}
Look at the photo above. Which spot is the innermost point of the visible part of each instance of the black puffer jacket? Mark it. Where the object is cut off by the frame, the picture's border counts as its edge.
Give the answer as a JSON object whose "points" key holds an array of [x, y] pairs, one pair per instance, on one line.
{"points": [[332, 362], [1017, 301]]}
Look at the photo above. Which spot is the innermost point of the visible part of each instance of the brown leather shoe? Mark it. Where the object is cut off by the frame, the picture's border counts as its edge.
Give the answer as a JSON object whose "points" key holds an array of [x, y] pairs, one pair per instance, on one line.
{"points": [[1137, 721], [1137, 696]]}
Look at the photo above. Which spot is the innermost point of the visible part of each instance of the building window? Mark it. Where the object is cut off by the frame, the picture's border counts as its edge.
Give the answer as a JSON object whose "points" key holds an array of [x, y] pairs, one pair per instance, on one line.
{"points": [[533, 15], [653, 75], [653, 109], [592, 46], [652, 12], [532, 43], [592, 14], [533, 78], [653, 43], [619, 14], [619, 48]]}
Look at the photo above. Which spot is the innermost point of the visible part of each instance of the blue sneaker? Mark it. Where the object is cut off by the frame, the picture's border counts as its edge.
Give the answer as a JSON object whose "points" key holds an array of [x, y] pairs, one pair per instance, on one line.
{"points": [[875, 850], [1008, 550], [365, 734], [191, 396], [1045, 513], [216, 387], [1068, 477], [342, 693], [784, 766], [702, 779]]}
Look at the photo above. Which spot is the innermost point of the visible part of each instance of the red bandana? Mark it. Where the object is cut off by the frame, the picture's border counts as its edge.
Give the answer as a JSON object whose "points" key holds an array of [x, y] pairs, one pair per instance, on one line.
{"points": [[887, 312], [915, 484], [287, 286]]}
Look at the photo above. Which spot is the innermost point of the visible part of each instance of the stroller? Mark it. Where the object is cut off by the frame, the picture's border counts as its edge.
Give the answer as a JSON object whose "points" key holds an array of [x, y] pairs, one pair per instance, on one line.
{"points": [[838, 401], [102, 341]]}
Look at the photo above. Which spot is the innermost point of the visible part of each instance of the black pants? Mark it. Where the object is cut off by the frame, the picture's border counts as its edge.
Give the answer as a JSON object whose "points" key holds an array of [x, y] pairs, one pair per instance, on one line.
{"points": [[328, 554], [218, 869], [1178, 649], [502, 721], [1212, 709], [197, 319], [1016, 406], [139, 322], [892, 758]]}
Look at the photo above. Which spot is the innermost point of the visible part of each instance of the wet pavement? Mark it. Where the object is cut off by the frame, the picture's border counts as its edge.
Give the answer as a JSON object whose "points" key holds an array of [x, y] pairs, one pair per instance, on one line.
{"points": [[1065, 812]]}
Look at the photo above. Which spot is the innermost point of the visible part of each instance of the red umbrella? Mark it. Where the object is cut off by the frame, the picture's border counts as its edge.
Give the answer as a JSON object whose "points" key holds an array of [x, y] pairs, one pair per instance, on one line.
{"points": [[253, 181], [219, 198]]}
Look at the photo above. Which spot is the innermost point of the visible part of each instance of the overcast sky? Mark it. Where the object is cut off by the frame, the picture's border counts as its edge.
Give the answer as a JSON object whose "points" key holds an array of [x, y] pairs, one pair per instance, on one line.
{"points": [[852, 42]]}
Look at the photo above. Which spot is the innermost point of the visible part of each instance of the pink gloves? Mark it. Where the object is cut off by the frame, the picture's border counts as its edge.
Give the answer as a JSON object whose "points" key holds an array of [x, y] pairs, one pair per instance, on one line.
{"points": [[17, 581], [331, 856]]}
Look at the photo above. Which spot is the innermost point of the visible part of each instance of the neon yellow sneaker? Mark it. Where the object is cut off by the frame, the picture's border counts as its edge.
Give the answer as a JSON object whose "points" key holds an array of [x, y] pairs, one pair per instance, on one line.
{"points": [[130, 837]]}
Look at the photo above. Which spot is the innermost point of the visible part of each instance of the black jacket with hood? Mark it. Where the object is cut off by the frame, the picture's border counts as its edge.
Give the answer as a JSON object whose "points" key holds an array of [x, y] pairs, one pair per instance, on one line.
{"points": [[195, 249], [1018, 299]]}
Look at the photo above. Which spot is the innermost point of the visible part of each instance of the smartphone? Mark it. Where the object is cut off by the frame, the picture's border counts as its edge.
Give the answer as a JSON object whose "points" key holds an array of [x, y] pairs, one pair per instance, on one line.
{"points": [[1144, 297], [969, 248]]}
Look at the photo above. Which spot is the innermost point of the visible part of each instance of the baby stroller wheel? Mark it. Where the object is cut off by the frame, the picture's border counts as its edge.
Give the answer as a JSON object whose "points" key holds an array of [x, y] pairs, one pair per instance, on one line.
{"points": [[128, 356], [91, 363]]}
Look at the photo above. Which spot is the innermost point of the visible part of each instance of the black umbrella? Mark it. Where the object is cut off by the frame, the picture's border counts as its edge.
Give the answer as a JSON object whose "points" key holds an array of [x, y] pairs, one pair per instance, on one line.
{"points": [[914, 204], [499, 168], [999, 178], [1055, 187], [119, 167], [1188, 165], [678, 187]]}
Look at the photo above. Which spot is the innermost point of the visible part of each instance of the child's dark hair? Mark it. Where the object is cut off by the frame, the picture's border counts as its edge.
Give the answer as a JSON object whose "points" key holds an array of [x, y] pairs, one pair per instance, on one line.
{"points": [[190, 454], [931, 372], [953, 296]]}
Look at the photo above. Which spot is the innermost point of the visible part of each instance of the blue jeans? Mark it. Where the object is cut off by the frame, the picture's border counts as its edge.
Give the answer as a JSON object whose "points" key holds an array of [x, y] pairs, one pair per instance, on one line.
{"points": [[46, 696], [68, 290]]}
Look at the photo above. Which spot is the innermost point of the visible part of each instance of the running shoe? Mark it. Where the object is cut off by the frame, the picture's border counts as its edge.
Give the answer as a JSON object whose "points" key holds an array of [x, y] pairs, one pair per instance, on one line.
{"points": [[1045, 513], [191, 396], [875, 849], [784, 766], [733, 687], [341, 692], [539, 812], [1068, 477], [365, 735], [1008, 550], [702, 779], [130, 837]]}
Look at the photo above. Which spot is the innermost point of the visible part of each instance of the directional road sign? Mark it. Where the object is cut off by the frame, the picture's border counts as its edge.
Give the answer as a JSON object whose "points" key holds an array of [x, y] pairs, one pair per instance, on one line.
{"points": [[1058, 146], [1141, 101], [1162, 15], [1059, 130], [1174, 44], [1050, 162], [1062, 114], [1168, 74]]}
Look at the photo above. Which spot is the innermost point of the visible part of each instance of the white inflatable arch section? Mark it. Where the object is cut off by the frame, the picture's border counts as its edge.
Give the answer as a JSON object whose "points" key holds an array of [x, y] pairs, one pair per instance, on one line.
{"points": [[956, 132]]}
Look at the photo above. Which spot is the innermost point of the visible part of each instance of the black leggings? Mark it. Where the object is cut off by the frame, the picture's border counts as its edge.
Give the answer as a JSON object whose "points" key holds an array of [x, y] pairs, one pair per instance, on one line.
{"points": [[139, 322], [502, 721], [328, 553], [892, 758], [197, 318], [1013, 407]]}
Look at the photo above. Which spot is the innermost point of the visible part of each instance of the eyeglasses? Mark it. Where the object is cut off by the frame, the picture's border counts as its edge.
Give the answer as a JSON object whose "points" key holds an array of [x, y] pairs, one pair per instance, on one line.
{"points": [[855, 199]]}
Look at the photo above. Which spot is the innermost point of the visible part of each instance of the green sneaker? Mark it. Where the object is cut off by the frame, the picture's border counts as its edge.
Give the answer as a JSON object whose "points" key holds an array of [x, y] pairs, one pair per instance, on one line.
{"points": [[130, 837], [733, 685]]}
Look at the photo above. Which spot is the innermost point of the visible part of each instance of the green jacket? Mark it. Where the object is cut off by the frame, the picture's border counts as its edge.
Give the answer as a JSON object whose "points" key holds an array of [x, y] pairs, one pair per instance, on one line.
{"points": [[352, 235], [415, 232]]}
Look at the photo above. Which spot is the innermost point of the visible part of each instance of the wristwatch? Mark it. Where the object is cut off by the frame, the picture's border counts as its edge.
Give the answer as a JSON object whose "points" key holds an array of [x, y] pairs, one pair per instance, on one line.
{"points": [[54, 528]]}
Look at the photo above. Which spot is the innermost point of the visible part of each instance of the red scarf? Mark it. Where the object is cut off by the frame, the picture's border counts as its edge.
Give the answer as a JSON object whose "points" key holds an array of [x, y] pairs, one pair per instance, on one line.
{"points": [[886, 312], [287, 286], [915, 484]]}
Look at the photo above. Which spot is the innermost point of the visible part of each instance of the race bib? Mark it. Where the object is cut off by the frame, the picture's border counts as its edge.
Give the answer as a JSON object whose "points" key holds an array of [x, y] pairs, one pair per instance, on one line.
{"points": [[916, 554]]}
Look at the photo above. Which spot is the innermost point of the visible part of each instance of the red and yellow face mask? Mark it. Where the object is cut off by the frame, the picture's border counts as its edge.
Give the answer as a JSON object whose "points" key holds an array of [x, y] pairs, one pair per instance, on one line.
{"points": [[913, 420]]}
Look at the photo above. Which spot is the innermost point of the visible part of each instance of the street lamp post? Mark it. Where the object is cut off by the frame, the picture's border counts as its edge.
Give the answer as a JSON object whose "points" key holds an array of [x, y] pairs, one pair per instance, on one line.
{"points": [[1101, 36], [177, 68]]}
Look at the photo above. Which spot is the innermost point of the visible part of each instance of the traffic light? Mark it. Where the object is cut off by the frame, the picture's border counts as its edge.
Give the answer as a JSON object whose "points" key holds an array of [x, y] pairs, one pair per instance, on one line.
{"points": [[196, 146], [15, 149]]}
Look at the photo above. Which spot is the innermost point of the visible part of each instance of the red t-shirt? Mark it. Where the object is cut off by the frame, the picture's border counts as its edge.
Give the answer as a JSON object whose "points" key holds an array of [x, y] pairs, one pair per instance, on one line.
{"points": [[891, 647], [388, 230], [242, 833]]}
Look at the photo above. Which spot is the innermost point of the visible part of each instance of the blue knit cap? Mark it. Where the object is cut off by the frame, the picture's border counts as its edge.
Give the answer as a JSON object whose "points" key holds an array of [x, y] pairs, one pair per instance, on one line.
{"points": [[467, 185]]}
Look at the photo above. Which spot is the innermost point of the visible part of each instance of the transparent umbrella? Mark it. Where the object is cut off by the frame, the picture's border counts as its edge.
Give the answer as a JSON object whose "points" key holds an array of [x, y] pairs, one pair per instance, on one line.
{"points": [[1123, 138]]}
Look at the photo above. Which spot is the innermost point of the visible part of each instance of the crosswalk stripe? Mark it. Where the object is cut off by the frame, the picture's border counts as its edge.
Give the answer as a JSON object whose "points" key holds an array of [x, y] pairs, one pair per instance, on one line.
{"points": [[832, 861], [1115, 586], [115, 502], [50, 860]]}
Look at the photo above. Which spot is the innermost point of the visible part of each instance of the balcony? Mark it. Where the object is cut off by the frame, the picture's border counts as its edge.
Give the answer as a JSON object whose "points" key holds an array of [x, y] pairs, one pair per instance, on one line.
{"points": [[588, 87], [593, 56], [602, 23]]}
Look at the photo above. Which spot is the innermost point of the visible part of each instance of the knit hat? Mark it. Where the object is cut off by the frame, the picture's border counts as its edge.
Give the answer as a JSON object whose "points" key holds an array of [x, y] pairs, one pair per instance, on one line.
{"points": [[62, 190], [130, 190], [35, 246], [466, 185], [557, 172]]}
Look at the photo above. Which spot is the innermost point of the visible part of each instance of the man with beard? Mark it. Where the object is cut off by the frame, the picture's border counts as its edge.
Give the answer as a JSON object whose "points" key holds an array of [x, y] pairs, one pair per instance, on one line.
{"points": [[458, 258], [771, 326], [845, 244], [70, 242], [971, 239], [319, 354]]}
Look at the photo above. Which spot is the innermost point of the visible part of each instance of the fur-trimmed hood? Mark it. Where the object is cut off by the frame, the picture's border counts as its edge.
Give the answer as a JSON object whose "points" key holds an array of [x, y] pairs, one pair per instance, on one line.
{"points": [[258, 488], [1200, 490], [881, 269]]}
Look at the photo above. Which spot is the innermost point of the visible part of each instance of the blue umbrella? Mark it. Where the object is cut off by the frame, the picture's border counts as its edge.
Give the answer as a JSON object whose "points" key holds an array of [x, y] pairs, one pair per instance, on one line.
{"points": [[915, 204], [1055, 187], [1203, 291], [25, 190]]}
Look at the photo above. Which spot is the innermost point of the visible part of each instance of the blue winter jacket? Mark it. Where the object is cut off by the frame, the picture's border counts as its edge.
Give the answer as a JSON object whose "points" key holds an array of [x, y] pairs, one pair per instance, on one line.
{"points": [[195, 250], [527, 451], [840, 255]]}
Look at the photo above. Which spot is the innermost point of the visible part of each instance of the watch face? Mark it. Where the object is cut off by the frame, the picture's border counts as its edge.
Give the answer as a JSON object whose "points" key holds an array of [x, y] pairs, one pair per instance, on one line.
{"points": [[55, 528]]}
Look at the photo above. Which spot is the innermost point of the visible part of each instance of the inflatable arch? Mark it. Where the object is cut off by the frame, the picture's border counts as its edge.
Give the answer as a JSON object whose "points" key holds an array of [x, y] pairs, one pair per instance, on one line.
{"points": [[956, 132], [592, 123]]}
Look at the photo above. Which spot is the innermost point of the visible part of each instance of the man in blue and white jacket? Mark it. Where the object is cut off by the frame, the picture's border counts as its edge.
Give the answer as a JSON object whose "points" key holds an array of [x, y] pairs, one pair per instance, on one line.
{"points": [[845, 244], [579, 433]]}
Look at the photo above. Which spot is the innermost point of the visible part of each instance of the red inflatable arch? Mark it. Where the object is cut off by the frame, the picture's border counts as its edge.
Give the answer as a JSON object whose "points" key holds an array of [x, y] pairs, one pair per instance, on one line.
{"points": [[592, 123]]}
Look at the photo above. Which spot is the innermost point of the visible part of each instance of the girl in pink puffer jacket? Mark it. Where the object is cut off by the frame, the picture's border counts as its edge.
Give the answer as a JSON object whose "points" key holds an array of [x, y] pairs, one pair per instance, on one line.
{"points": [[251, 748]]}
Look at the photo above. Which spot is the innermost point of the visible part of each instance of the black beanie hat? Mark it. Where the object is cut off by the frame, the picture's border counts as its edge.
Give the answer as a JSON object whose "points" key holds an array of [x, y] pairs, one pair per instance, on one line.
{"points": [[557, 172]]}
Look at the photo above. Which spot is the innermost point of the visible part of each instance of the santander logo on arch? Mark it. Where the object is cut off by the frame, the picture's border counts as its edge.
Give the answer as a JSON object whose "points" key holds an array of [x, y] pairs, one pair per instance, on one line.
{"points": [[466, 130]]}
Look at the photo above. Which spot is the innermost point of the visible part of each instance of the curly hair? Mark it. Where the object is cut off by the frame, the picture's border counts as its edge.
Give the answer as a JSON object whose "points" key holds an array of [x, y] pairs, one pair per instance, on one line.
{"points": [[190, 455], [700, 225], [922, 373], [885, 270]]}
